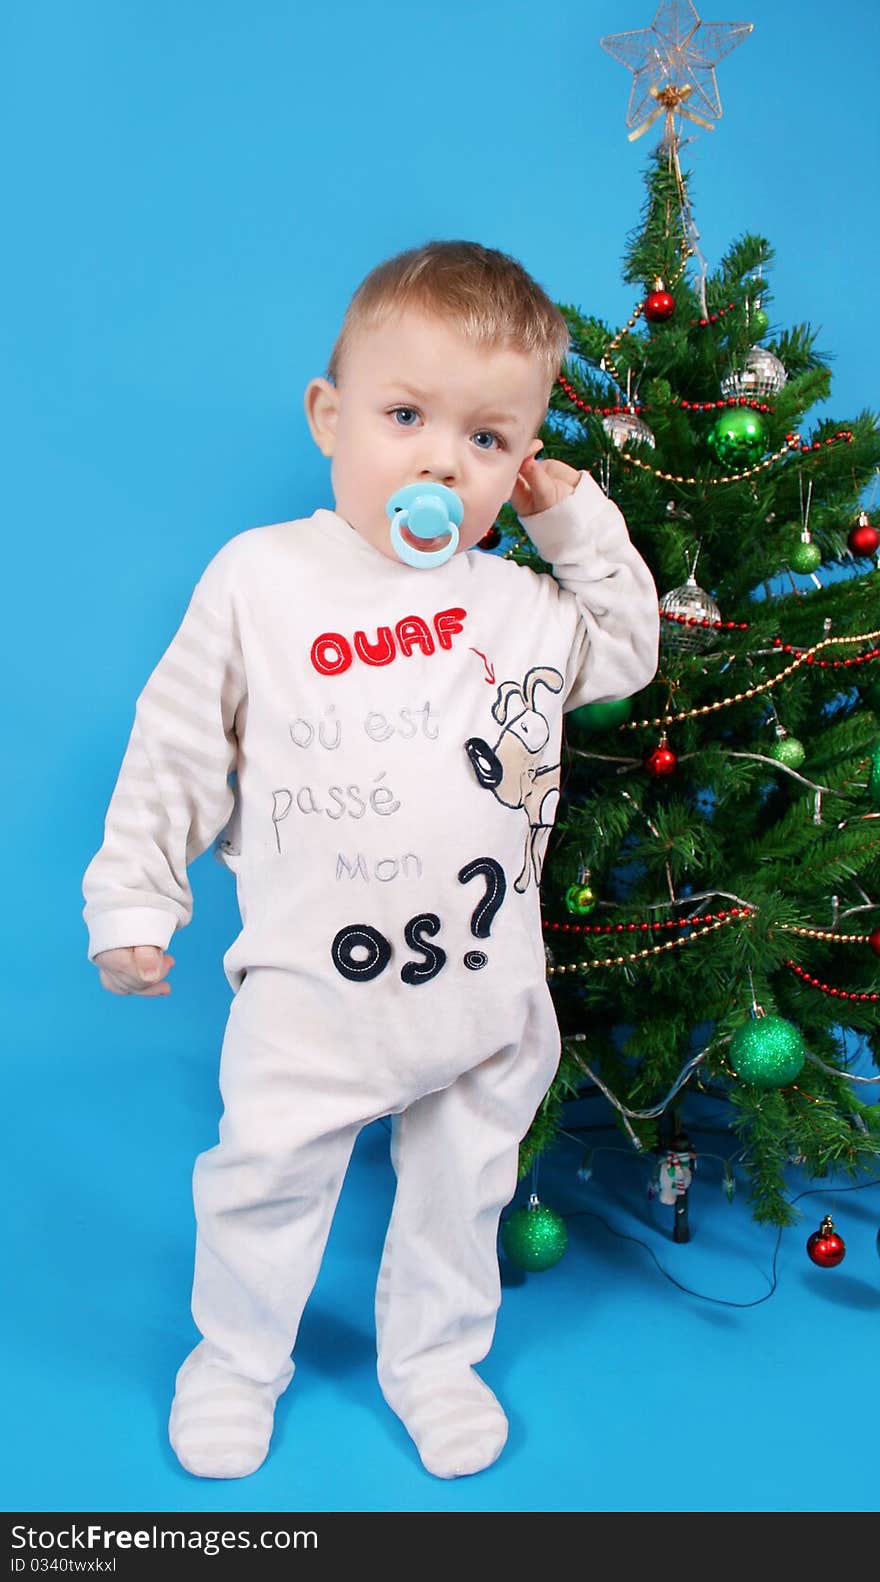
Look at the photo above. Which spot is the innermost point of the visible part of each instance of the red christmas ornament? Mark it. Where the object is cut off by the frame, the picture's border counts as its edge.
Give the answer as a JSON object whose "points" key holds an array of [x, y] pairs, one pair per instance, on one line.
{"points": [[662, 761], [659, 305], [874, 941], [491, 539], [863, 539], [825, 1247]]}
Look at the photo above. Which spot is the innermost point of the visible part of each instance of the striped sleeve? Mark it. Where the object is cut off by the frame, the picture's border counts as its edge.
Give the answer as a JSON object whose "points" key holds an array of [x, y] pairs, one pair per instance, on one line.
{"points": [[172, 794]]}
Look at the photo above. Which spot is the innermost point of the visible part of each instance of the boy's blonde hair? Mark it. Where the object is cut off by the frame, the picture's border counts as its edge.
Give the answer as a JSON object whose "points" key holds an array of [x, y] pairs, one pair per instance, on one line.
{"points": [[484, 294]]}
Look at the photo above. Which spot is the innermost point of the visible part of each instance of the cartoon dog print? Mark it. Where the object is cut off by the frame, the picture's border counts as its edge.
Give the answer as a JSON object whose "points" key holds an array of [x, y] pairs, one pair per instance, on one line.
{"points": [[512, 768]]}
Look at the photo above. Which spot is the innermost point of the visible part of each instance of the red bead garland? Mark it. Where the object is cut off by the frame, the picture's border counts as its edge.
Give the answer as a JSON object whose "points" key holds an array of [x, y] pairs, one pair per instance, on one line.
{"points": [[827, 664], [645, 927], [844, 434], [714, 406], [605, 411], [704, 620], [827, 988], [714, 317], [688, 406]]}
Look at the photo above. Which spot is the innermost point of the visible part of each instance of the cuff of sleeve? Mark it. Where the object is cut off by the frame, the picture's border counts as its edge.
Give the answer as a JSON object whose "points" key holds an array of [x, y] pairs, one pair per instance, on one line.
{"points": [[130, 925]]}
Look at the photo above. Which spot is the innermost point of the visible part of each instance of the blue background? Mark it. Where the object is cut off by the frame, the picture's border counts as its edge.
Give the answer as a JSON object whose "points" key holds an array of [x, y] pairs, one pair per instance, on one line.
{"points": [[195, 193]]}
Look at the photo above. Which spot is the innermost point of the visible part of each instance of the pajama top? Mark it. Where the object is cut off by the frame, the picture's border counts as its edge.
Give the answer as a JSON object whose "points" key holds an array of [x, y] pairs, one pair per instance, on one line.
{"points": [[375, 750]]}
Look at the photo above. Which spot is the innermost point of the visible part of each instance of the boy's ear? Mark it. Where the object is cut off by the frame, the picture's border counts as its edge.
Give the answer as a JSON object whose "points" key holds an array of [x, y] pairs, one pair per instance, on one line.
{"points": [[321, 402]]}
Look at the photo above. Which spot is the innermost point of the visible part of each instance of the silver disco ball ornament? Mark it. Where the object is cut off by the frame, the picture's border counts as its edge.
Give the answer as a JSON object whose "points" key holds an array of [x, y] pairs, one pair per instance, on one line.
{"points": [[624, 429], [694, 602], [760, 377]]}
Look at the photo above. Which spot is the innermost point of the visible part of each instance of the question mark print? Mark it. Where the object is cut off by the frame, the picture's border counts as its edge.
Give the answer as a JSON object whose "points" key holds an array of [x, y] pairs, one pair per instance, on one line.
{"points": [[484, 912]]}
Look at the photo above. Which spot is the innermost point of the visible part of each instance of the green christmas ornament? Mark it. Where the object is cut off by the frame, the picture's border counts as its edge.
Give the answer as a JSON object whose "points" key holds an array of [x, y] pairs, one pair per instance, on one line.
{"points": [[534, 1237], [788, 751], [738, 437], [759, 323], [874, 776], [579, 899], [767, 1051], [805, 556], [592, 718]]}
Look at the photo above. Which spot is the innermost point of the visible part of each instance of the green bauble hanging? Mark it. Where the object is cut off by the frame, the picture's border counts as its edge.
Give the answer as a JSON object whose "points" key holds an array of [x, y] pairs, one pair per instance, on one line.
{"points": [[805, 557], [767, 1051], [592, 718], [580, 899], [788, 751], [738, 438], [874, 776], [534, 1237], [758, 321]]}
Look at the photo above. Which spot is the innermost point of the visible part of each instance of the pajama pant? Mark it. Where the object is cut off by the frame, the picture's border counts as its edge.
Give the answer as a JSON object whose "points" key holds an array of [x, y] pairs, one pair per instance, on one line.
{"points": [[294, 1103]]}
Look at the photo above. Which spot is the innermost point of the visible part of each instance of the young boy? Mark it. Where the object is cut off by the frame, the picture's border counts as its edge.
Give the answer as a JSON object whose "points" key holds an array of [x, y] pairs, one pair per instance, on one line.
{"points": [[395, 736]]}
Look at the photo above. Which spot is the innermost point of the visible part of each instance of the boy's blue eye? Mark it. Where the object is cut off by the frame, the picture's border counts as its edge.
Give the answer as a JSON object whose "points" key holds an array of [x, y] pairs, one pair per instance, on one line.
{"points": [[497, 437]]}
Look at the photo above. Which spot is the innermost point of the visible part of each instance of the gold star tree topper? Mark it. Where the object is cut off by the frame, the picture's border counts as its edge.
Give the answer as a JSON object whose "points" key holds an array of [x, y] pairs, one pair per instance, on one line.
{"points": [[673, 64]]}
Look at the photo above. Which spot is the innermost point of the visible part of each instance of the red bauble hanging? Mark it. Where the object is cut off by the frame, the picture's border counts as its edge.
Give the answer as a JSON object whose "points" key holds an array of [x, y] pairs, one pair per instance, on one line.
{"points": [[825, 1247], [863, 538], [658, 305], [662, 761], [491, 539], [874, 941]]}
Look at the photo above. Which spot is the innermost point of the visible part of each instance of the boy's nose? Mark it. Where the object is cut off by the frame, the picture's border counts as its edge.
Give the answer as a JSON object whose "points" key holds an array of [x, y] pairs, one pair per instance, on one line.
{"points": [[447, 475]]}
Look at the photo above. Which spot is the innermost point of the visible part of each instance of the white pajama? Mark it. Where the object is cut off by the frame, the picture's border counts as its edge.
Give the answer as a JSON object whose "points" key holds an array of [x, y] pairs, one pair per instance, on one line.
{"points": [[395, 741], [265, 1195]]}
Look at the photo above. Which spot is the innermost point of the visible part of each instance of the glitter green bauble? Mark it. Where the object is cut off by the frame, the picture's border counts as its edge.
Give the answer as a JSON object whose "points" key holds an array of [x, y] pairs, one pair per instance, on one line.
{"points": [[805, 557], [594, 717], [738, 437], [759, 323], [767, 1051], [874, 776], [790, 752], [534, 1237]]}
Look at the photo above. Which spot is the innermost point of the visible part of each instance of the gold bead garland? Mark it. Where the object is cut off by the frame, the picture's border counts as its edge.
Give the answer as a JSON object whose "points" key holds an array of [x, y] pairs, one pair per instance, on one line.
{"points": [[711, 483], [792, 443], [821, 933], [805, 657], [639, 955], [731, 916]]}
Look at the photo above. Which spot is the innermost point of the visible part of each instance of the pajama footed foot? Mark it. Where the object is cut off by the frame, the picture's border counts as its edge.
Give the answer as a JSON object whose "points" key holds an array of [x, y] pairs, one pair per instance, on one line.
{"points": [[221, 1422], [456, 1422]]}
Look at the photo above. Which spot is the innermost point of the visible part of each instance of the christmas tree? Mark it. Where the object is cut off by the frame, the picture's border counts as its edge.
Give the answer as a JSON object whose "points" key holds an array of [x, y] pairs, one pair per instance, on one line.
{"points": [[711, 890]]}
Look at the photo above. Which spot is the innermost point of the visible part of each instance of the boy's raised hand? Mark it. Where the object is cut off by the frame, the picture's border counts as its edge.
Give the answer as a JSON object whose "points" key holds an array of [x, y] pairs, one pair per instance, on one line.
{"points": [[134, 969], [540, 484]]}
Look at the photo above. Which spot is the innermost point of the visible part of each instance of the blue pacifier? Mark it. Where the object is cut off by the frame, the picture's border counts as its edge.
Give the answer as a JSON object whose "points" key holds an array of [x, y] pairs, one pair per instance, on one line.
{"points": [[426, 510]]}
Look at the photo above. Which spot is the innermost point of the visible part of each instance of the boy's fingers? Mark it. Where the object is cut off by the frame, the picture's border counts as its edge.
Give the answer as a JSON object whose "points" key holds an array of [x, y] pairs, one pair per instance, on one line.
{"points": [[148, 961]]}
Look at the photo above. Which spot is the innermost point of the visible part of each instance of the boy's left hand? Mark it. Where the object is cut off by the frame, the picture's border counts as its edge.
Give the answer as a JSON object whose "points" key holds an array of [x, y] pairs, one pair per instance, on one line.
{"points": [[540, 484]]}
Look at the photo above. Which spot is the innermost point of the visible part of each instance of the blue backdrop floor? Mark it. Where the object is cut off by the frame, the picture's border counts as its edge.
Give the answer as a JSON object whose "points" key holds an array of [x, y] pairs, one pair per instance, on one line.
{"points": [[624, 1393]]}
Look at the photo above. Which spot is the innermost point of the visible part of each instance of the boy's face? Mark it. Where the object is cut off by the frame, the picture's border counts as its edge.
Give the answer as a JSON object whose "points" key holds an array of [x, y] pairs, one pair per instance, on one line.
{"points": [[417, 403]]}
